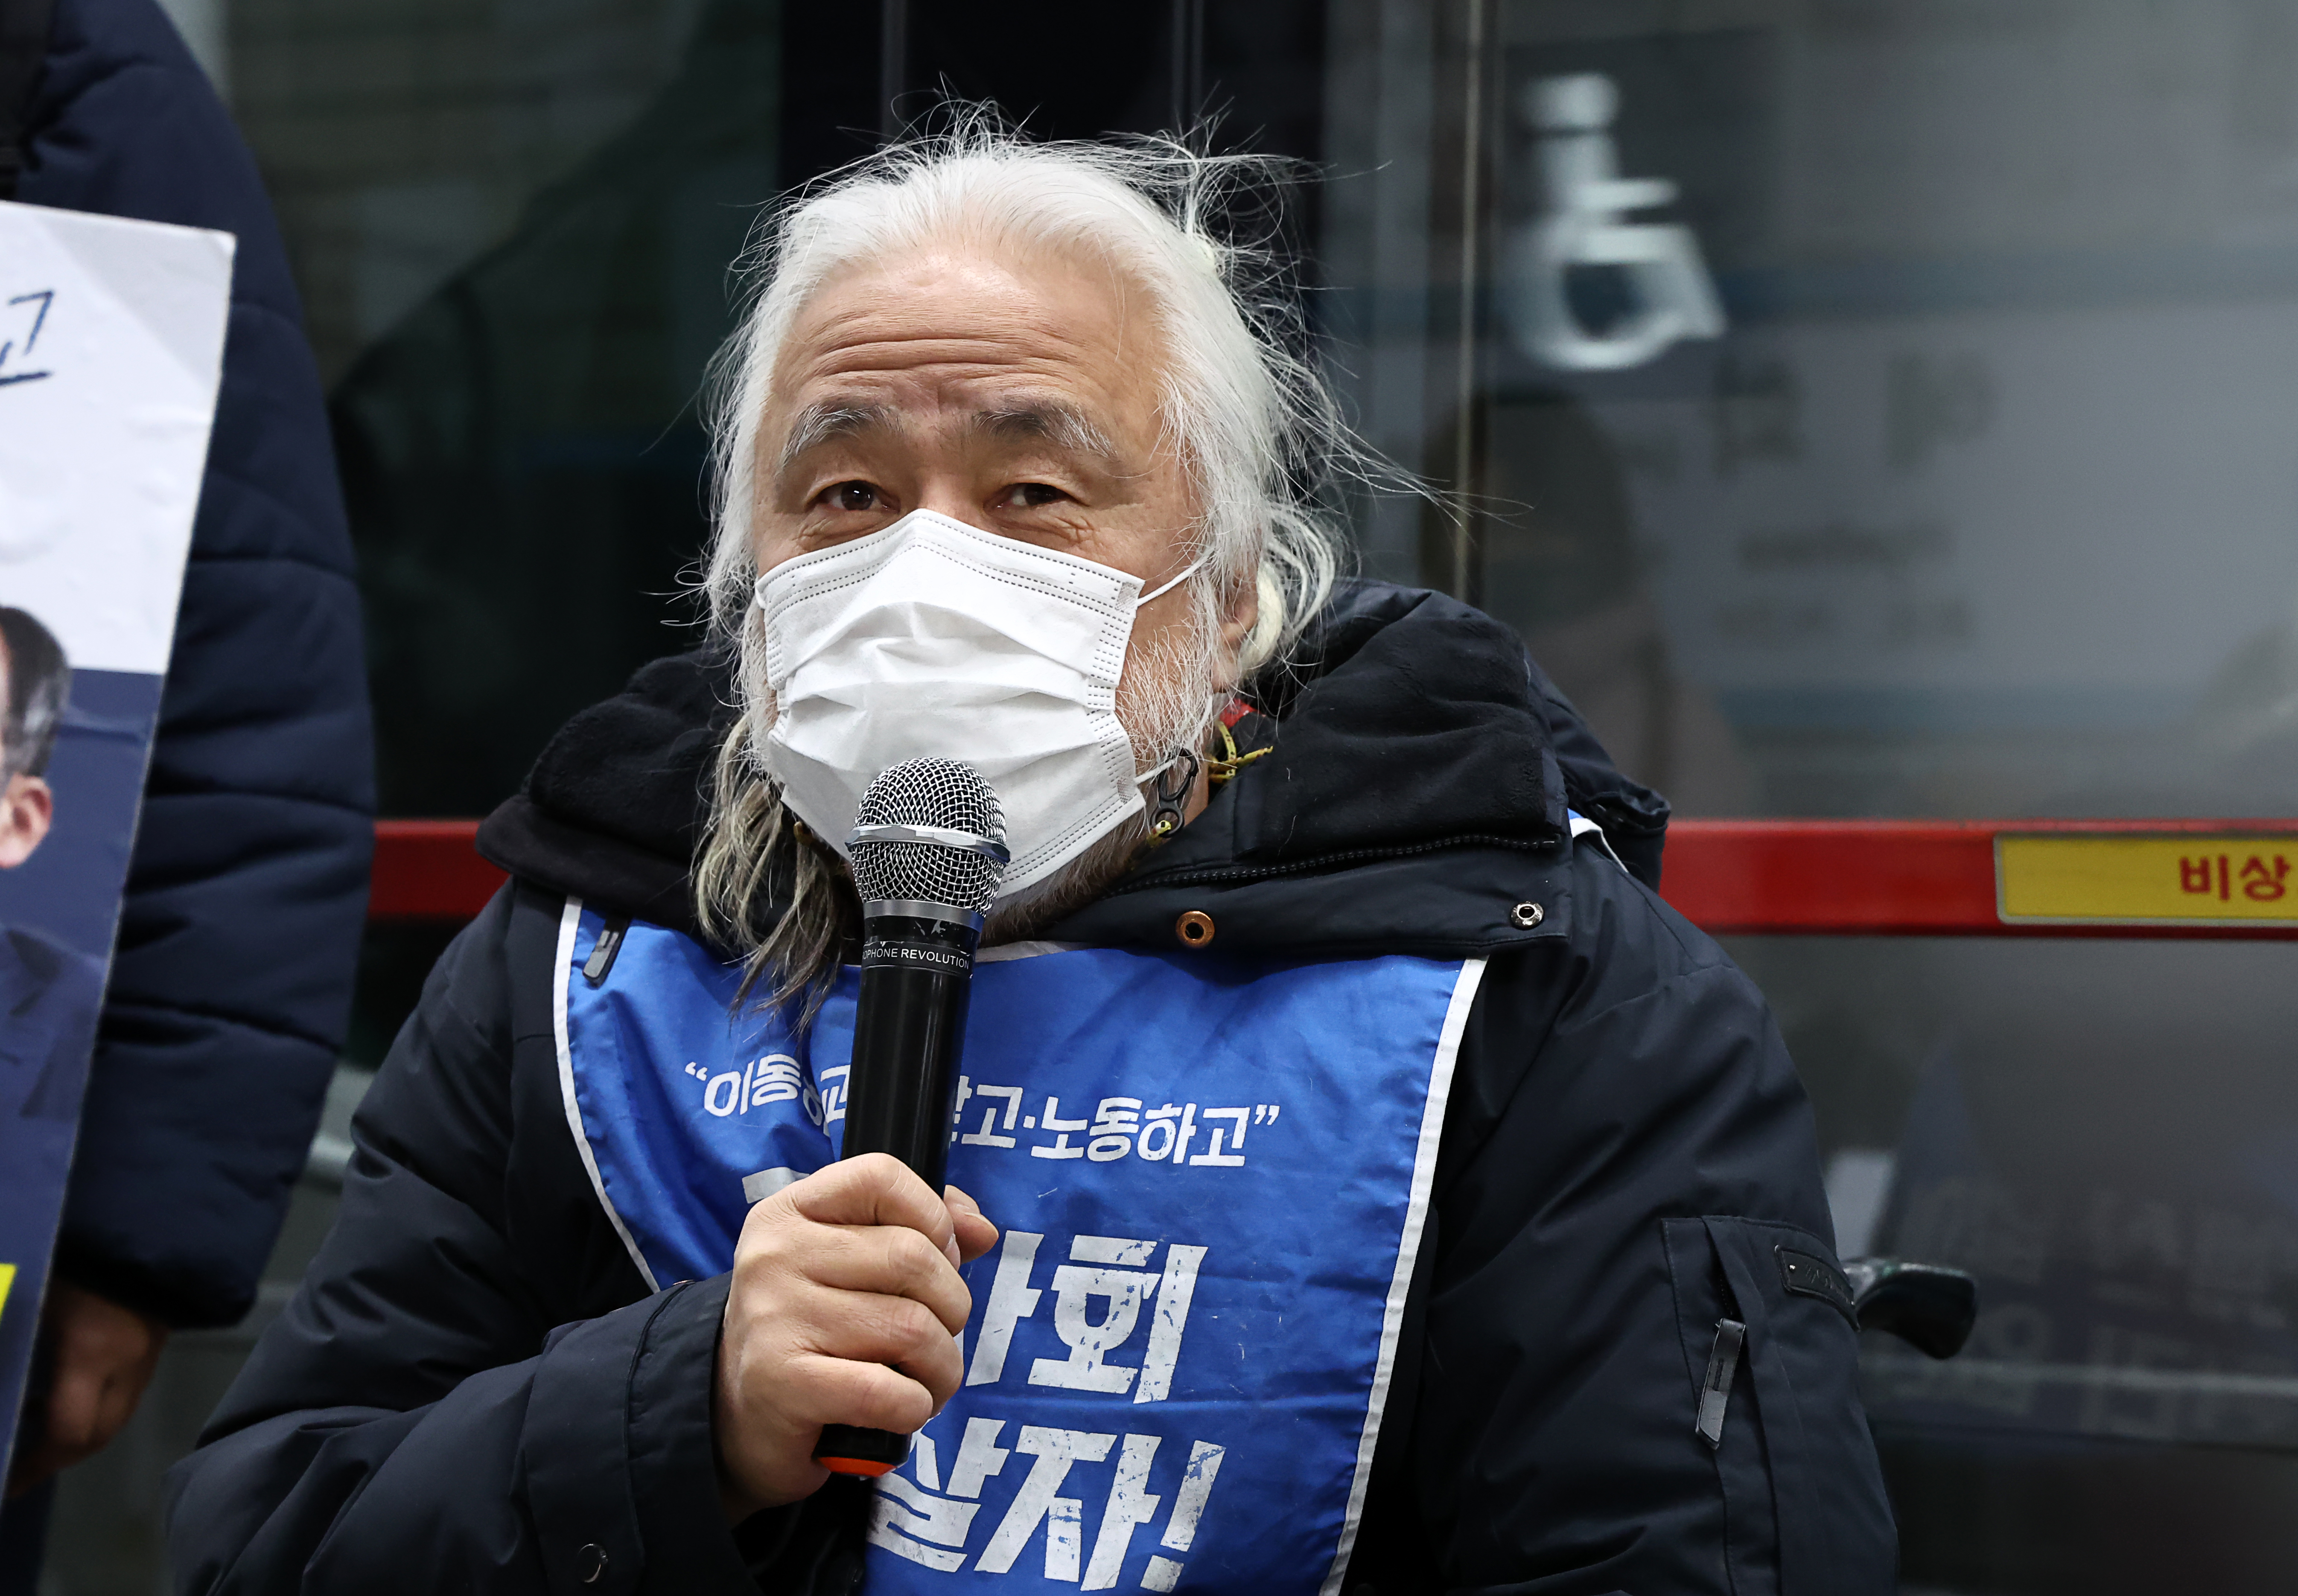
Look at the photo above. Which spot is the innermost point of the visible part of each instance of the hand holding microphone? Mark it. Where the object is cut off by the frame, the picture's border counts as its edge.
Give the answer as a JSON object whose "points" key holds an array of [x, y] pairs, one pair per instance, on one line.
{"points": [[845, 1303], [846, 1296]]}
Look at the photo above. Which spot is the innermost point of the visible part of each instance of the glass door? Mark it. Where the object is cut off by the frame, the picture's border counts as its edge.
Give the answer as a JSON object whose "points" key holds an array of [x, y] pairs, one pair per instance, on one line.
{"points": [[1870, 410]]}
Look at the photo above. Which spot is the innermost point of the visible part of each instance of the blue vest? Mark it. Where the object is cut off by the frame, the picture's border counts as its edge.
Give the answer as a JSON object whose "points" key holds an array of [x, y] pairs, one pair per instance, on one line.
{"points": [[1211, 1175]]}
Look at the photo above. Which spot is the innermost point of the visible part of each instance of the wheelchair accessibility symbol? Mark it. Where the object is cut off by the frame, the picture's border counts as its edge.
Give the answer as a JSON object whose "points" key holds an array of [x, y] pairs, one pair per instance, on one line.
{"points": [[1669, 296]]}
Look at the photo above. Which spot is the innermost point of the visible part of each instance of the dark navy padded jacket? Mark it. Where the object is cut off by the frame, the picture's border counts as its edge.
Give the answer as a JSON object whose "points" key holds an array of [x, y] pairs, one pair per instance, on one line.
{"points": [[474, 1390], [247, 888]]}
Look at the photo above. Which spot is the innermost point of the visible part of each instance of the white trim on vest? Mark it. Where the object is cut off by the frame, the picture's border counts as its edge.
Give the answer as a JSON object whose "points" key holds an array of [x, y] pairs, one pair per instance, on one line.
{"points": [[1001, 952], [570, 922], [1582, 825], [1416, 1219]]}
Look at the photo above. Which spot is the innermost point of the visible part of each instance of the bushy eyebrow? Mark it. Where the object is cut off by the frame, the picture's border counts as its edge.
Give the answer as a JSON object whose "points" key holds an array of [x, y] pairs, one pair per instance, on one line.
{"points": [[818, 423], [1047, 421]]}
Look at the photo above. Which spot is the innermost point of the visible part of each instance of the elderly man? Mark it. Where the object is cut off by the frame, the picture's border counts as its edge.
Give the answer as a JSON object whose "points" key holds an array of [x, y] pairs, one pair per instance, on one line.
{"points": [[49, 992], [1374, 1185], [49, 995]]}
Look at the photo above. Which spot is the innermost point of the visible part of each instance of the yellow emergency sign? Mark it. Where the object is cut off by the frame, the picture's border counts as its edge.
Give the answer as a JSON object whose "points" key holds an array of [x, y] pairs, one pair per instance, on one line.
{"points": [[2187, 878]]}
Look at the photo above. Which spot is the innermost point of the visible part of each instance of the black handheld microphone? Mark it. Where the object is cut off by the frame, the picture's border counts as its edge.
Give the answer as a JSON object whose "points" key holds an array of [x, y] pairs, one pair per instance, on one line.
{"points": [[928, 851]]}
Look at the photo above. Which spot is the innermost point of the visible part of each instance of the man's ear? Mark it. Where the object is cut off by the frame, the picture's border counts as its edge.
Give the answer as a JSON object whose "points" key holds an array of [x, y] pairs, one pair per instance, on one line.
{"points": [[27, 808], [1238, 617]]}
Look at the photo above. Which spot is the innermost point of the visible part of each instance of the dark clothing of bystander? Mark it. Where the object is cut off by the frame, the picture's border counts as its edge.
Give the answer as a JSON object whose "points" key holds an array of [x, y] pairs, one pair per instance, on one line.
{"points": [[246, 893]]}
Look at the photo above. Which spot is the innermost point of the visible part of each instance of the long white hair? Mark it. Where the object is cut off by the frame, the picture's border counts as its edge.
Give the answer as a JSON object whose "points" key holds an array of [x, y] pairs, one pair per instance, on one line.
{"points": [[1252, 422]]}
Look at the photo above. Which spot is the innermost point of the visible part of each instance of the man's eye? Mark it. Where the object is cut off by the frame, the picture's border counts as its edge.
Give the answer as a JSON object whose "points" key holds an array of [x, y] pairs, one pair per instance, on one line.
{"points": [[1035, 495], [853, 496]]}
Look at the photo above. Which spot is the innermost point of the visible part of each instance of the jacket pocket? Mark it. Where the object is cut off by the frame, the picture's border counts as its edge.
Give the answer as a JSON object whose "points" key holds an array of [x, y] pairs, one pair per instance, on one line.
{"points": [[1771, 1352]]}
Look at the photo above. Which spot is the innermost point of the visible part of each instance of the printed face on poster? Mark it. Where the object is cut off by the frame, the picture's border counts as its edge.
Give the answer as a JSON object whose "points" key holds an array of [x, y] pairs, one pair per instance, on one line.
{"points": [[111, 349]]}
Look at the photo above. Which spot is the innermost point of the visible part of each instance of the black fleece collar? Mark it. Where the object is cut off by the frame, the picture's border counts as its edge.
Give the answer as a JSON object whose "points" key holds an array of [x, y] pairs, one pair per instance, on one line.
{"points": [[1412, 800], [612, 811]]}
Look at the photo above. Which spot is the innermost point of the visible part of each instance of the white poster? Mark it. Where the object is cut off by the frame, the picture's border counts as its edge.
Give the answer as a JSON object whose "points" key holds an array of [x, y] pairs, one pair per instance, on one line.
{"points": [[111, 338]]}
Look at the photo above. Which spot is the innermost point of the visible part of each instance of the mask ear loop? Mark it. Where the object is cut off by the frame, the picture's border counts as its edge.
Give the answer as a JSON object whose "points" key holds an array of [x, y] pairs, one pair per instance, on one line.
{"points": [[1163, 588]]}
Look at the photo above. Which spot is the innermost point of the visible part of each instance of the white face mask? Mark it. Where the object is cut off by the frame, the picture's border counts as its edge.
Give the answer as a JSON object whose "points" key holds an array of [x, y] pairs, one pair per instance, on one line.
{"points": [[932, 638]]}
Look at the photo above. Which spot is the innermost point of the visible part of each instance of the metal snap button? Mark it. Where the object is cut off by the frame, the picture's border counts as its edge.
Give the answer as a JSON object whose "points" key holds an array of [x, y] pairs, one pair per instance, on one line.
{"points": [[1194, 928], [1525, 916], [590, 1563]]}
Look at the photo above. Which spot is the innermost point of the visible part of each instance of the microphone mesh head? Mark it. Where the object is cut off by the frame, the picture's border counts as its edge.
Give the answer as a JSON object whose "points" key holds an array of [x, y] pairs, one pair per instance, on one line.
{"points": [[949, 793]]}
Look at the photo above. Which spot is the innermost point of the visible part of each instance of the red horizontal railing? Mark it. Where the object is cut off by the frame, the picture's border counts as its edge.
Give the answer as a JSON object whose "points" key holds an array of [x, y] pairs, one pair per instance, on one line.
{"points": [[1730, 877], [429, 870], [1909, 878]]}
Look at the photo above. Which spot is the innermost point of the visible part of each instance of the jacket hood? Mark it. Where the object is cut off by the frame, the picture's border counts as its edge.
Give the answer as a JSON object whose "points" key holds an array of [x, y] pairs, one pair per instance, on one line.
{"points": [[1415, 794]]}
